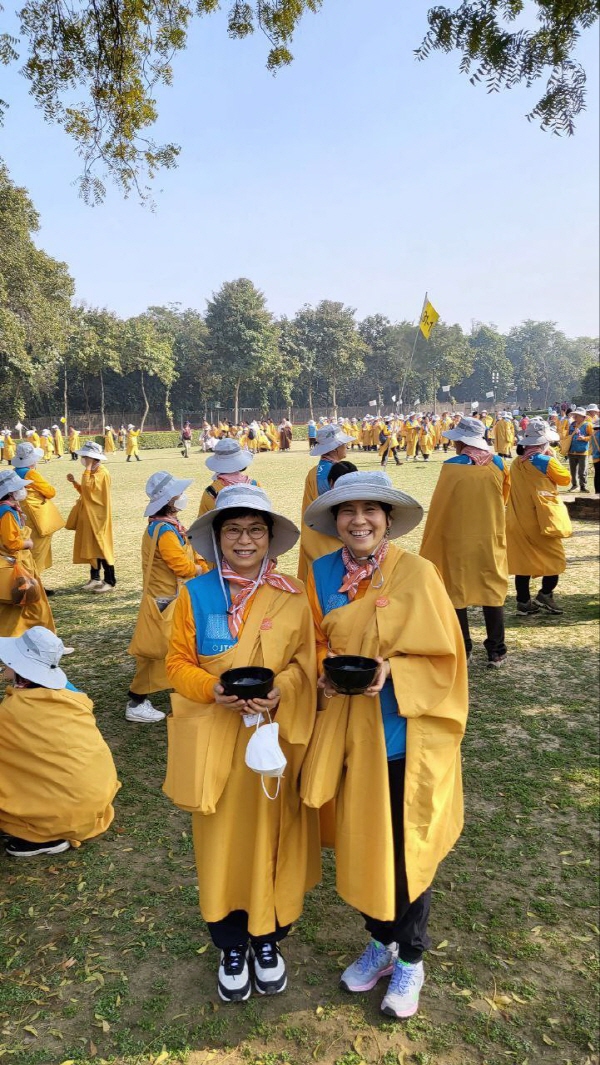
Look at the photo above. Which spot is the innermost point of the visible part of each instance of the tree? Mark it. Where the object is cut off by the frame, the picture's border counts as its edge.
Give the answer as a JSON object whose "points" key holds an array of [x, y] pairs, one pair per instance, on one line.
{"points": [[590, 385], [114, 55], [102, 351], [242, 337], [443, 359], [333, 345], [388, 352], [146, 352]]}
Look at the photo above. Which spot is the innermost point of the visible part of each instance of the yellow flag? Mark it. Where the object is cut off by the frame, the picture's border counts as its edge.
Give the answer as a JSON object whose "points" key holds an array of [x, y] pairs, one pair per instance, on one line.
{"points": [[428, 319]]}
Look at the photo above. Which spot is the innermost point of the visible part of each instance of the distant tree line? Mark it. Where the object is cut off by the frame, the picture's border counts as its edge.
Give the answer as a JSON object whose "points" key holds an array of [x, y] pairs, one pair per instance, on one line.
{"points": [[56, 356]]}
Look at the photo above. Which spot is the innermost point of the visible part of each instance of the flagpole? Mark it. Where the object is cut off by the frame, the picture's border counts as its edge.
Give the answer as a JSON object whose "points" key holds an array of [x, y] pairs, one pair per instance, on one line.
{"points": [[413, 349]]}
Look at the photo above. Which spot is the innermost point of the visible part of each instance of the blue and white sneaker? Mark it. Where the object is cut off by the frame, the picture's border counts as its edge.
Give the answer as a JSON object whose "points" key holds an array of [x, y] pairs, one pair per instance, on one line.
{"points": [[402, 996], [376, 960]]}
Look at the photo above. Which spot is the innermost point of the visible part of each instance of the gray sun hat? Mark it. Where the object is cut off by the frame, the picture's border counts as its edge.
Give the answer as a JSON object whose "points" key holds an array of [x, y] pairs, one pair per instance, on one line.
{"points": [[11, 482], [26, 455], [469, 431], [592, 408], [248, 497], [229, 457], [91, 450], [580, 410], [374, 486], [161, 488], [329, 437], [35, 656], [538, 432]]}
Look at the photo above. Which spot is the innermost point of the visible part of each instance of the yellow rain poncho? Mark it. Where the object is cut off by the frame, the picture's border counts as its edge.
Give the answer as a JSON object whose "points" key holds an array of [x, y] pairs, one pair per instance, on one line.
{"points": [[530, 553], [59, 444], [13, 619], [92, 519], [43, 516], [133, 443]]}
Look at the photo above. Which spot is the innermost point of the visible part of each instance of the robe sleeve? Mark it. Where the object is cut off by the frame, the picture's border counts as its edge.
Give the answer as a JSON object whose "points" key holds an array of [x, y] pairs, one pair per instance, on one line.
{"points": [[41, 485], [557, 473], [297, 681], [317, 614], [171, 552], [506, 484], [95, 488], [189, 679], [10, 534], [77, 486]]}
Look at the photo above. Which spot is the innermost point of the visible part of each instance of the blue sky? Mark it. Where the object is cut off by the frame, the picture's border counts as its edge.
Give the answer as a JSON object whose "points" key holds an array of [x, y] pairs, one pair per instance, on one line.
{"points": [[357, 174]]}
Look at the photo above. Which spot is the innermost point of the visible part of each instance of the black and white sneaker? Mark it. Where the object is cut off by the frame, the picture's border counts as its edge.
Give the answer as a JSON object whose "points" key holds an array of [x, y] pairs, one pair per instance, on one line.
{"points": [[22, 848], [270, 975], [234, 975]]}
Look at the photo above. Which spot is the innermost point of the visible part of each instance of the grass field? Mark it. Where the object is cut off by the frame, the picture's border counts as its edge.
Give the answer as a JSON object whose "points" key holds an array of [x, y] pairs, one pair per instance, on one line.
{"points": [[104, 956]]}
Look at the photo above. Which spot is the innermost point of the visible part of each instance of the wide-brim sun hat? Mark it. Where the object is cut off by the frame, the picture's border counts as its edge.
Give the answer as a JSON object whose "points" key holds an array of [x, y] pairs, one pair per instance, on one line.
{"points": [[35, 656], [592, 409], [538, 432], [373, 486], [580, 410], [329, 438], [161, 488], [229, 457], [91, 450], [11, 482], [469, 431], [246, 497], [26, 455]]}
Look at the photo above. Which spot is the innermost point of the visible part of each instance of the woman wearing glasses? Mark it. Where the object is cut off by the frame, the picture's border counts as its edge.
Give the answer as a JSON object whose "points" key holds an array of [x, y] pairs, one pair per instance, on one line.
{"points": [[256, 853]]}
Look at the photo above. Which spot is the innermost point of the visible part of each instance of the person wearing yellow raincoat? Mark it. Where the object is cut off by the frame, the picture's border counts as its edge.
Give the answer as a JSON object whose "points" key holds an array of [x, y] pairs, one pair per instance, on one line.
{"points": [[329, 449], [426, 438], [445, 422], [16, 544], [57, 776], [465, 533], [256, 845], [411, 435], [109, 440], [59, 444], [388, 442], [33, 437], [133, 443], [42, 515], [46, 445], [503, 435], [168, 560], [91, 519], [9, 446], [228, 464], [74, 441], [533, 550], [389, 758]]}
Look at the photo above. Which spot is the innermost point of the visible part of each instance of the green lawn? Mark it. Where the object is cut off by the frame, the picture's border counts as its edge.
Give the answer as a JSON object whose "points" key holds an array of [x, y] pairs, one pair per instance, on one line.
{"points": [[104, 956]]}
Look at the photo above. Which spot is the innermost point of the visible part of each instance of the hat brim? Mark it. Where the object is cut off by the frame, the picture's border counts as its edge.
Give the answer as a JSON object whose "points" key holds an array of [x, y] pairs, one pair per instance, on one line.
{"points": [[8, 491], [37, 455], [83, 454], [465, 438], [235, 463], [160, 501], [323, 449], [549, 437], [285, 533], [33, 671], [405, 515]]}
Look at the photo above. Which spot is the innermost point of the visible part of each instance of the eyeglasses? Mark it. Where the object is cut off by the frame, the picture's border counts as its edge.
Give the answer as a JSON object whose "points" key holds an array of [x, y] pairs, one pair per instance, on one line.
{"points": [[234, 532]]}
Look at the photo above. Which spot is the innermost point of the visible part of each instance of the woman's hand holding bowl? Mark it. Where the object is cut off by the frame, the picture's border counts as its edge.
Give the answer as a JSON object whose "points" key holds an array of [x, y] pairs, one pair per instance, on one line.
{"points": [[381, 676], [231, 701], [270, 703]]}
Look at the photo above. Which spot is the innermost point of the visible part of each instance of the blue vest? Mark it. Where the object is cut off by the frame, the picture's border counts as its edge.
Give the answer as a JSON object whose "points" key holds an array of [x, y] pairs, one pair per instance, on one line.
{"points": [[329, 572], [579, 445], [210, 613], [540, 462], [322, 473], [164, 527], [22, 471], [6, 509]]}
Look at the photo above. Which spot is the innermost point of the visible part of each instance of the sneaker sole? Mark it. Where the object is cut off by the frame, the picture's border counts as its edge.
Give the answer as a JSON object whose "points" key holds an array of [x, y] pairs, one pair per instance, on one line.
{"points": [[270, 989], [59, 849], [235, 996], [144, 720], [403, 1015], [371, 984]]}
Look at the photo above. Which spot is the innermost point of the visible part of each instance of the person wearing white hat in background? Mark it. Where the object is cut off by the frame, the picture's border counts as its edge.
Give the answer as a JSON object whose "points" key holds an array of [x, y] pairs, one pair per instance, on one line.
{"points": [[331, 447], [531, 551], [257, 847], [579, 445], [74, 442], [57, 775], [503, 435], [32, 436], [46, 444], [91, 519], [16, 544], [44, 517], [133, 443], [411, 435], [109, 440], [168, 559], [388, 759], [465, 533], [59, 444], [228, 464], [9, 446]]}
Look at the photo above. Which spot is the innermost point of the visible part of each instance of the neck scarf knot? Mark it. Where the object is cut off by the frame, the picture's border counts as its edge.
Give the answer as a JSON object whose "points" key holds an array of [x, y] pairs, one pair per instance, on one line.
{"points": [[232, 478], [535, 449], [357, 571], [248, 587], [171, 520], [478, 454]]}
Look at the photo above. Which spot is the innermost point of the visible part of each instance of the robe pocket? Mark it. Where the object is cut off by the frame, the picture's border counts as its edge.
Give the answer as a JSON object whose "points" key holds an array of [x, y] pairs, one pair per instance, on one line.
{"points": [[188, 744], [153, 630]]}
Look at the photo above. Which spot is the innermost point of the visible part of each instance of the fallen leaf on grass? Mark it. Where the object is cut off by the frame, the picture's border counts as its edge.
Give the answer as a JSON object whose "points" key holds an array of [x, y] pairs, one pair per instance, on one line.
{"points": [[162, 1057], [442, 945], [202, 950], [319, 1011], [547, 1040]]}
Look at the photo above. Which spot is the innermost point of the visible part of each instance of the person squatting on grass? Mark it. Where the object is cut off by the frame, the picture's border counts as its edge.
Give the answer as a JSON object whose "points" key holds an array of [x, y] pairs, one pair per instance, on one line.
{"points": [[384, 766]]}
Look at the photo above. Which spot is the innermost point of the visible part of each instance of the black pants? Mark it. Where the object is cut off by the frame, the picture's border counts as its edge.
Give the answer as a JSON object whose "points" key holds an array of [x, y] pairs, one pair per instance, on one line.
{"points": [[391, 451], [74, 457], [137, 458], [597, 478], [578, 464], [232, 931], [494, 627], [522, 587], [109, 572], [409, 929]]}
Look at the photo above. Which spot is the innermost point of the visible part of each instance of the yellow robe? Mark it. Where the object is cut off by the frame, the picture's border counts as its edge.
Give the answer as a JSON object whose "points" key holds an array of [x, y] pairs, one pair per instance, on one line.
{"points": [[13, 619], [465, 533], [74, 442], [530, 553], [46, 444], [37, 507], [109, 443], [132, 440], [411, 622], [251, 854], [426, 440], [172, 563], [35, 439], [57, 775], [503, 435], [411, 433], [312, 544], [93, 532], [9, 448], [59, 444]]}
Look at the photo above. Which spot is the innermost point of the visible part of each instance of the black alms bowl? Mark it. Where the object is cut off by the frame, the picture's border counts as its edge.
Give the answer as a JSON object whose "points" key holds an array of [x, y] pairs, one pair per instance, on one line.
{"points": [[250, 682], [350, 674]]}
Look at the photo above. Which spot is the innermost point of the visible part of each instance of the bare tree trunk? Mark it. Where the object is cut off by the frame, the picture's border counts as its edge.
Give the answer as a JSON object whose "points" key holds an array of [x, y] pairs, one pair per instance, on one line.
{"points": [[236, 401], [146, 404], [168, 408], [310, 398], [102, 411], [65, 403], [87, 406], [334, 399]]}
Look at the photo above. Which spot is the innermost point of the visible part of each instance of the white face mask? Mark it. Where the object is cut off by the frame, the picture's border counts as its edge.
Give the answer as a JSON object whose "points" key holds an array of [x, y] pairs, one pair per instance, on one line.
{"points": [[181, 503], [264, 755], [20, 495]]}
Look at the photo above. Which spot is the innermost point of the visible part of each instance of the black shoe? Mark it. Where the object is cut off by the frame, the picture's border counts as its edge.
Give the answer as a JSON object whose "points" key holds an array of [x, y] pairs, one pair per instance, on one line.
{"points": [[233, 984], [270, 976], [22, 848], [496, 661], [584, 489], [49, 591]]}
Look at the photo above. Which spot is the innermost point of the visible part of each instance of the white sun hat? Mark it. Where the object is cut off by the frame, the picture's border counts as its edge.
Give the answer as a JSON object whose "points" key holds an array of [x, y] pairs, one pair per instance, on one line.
{"points": [[35, 656], [469, 431], [54, 427], [538, 432], [161, 487], [329, 438], [580, 410], [91, 450], [131, 426], [247, 497], [26, 455], [592, 409], [374, 486], [229, 457], [11, 482]]}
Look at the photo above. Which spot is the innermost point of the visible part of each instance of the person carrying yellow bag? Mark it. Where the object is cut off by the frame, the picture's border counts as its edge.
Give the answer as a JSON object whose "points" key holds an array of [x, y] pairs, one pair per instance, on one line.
{"points": [[168, 559], [91, 520], [43, 516], [536, 520]]}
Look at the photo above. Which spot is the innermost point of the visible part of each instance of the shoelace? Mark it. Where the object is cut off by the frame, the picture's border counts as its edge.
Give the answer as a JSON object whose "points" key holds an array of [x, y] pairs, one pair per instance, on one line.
{"points": [[234, 960], [402, 978], [370, 957], [266, 954]]}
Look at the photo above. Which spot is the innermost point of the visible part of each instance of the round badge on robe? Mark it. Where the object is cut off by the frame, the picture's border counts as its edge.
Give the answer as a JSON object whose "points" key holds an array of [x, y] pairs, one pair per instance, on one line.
{"points": [[382, 601], [266, 624]]}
